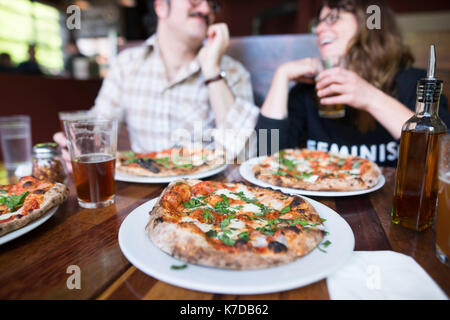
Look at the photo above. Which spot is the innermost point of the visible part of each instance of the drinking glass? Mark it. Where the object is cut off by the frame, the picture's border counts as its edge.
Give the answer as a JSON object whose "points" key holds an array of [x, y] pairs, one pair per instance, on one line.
{"points": [[74, 115], [443, 206], [92, 146], [15, 132], [332, 111]]}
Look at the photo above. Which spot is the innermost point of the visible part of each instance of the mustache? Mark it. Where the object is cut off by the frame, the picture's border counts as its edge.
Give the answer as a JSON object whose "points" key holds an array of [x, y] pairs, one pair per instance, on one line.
{"points": [[200, 15]]}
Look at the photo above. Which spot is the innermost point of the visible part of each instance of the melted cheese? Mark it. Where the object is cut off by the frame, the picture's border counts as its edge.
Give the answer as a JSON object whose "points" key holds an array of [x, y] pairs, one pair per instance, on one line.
{"points": [[250, 207], [9, 215], [259, 242], [311, 179], [205, 227]]}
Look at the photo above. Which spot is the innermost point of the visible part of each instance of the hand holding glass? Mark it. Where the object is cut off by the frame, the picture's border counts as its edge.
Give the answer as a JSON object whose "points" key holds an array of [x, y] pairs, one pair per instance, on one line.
{"points": [[332, 111]]}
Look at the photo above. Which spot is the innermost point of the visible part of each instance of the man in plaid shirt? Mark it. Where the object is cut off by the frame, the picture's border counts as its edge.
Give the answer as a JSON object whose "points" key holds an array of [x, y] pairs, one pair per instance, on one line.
{"points": [[178, 83]]}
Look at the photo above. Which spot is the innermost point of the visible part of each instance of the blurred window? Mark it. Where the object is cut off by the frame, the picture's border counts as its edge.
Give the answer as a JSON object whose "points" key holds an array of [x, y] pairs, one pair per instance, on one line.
{"points": [[24, 22]]}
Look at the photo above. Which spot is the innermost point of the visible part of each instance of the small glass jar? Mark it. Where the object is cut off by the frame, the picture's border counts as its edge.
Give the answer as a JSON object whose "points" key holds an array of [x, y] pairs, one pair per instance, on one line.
{"points": [[48, 163]]}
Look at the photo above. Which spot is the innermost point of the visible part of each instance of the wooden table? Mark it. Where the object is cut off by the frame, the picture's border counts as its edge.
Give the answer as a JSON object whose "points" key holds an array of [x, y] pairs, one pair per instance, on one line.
{"points": [[35, 265]]}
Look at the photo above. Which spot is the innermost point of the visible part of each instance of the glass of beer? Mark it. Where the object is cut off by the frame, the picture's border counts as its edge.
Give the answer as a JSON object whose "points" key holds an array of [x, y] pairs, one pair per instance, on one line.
{"points": [[92, 146], [332, 111], [443, 206]]}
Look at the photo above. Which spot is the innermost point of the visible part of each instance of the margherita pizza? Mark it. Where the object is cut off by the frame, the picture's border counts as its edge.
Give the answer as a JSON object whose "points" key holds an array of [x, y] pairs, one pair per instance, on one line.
{"points": [[27, 200], [232, 225], [317, 170], [170, 162]]}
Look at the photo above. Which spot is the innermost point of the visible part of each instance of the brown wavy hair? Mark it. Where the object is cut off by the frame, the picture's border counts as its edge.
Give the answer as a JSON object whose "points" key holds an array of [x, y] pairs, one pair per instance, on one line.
{"points": [[376, 55]]}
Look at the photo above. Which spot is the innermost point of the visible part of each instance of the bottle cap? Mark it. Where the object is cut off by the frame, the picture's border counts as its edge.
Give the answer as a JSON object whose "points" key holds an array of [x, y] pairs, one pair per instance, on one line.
{"points": [[429, 89], [46, 150]]}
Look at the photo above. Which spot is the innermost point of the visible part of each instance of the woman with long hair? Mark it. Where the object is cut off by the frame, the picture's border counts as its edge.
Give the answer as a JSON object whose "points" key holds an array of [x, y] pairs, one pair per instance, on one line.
{"points": [[377, 87]]}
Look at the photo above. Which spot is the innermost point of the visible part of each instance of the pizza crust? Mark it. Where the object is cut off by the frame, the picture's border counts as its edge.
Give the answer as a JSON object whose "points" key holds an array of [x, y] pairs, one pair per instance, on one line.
{"points": [[192, 247], [139, 171], [52, 198]]}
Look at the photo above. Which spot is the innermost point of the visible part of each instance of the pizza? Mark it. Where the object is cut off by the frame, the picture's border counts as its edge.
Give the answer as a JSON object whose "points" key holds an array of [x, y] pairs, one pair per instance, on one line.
{"points": [[169, 162], [233, 225], [27, 200], [317, 170]]}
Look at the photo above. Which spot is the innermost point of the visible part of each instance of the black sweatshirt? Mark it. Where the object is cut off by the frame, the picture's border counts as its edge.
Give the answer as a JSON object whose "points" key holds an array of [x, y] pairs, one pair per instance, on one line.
{"points": [[340, 135]]}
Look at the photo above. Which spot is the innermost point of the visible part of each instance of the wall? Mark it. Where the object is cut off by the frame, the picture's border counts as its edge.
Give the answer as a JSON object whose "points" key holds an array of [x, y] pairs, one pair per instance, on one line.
{"points": [[42, 98], [240, 14]]}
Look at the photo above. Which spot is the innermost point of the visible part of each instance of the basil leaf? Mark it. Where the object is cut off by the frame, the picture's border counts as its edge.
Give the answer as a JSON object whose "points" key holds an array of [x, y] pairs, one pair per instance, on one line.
{"points": [[183, 266], [227, 240], [129, 154], [242, 196], [244, 236], [279, 173], [211, 233], [285, 209], [300, 222], [303, 175], [222, 206], [326, 243], [356, 165], [14, 202], [194, 203], [341, 162], [165, 162], [289, 164], [187, 165], [225, 222], [267, 230], [208, 216]]}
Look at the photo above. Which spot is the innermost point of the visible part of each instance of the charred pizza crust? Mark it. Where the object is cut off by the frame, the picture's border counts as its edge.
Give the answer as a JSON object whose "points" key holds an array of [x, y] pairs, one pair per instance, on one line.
{"points": [[151, 168], [52, 198], [329, 180], [185, 241]]}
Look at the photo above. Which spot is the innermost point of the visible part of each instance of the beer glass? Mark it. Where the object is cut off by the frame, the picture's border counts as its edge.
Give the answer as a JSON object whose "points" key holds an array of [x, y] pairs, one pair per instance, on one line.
{"points": [[332, 111], [74, 115], [443, 206], [92, 146], [15, 133]]}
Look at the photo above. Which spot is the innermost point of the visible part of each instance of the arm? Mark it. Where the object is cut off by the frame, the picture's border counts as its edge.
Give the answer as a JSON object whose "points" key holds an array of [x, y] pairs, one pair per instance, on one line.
{"points": [[221, 97], [231, 100], [350, 89]]}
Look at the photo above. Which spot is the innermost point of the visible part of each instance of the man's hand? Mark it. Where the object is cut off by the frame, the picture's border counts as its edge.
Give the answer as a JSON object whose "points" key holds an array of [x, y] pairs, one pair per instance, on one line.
{"points": [[61, 140], [216, 45]]}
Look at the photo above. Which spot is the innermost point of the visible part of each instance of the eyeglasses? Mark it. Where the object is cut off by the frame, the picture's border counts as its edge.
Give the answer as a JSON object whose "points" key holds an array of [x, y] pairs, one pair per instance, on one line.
{"points": [[330, 18], [213, 4]]}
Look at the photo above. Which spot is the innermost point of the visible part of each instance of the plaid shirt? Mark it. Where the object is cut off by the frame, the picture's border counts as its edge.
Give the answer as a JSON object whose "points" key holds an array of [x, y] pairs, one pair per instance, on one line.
{"points": [[137, 92]]}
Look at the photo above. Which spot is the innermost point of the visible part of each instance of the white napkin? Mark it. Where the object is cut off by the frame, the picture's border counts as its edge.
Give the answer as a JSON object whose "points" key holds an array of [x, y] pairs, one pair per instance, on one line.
{"points": [[373, 275]]}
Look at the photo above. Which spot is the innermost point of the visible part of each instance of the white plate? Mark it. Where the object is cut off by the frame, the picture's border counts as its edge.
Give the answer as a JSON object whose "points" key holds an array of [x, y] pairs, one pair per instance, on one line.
{"points": [[20, 232], [141, 252], [246, 172], [119, 176]]}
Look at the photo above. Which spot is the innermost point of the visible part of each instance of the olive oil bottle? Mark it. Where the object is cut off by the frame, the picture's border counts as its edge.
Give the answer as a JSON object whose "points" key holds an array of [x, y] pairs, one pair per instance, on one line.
{"points": [[416, 185]]}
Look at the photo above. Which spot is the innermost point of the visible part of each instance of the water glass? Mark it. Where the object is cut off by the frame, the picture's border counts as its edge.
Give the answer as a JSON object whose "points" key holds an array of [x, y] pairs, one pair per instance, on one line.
{"points": [[15, 135]]}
